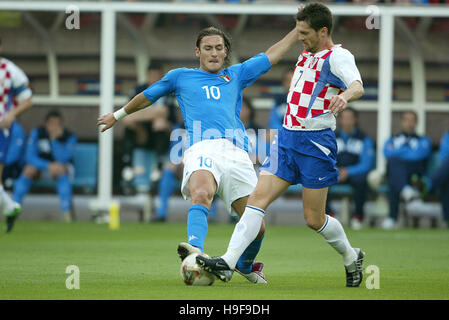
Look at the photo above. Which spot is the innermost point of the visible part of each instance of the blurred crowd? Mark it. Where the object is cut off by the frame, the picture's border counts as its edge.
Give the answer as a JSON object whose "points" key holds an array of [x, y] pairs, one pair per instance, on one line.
{"points": [[327, 1]]}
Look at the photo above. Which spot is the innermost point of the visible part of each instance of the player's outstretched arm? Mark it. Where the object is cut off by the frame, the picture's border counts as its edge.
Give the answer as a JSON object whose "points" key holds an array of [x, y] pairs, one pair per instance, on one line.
{"points": [[339, 102], [137, 103], [277, 51]]}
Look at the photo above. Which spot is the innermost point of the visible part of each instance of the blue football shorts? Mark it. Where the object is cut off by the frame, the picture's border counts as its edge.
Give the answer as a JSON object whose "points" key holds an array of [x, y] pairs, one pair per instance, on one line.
{"points": [[5, 136], [306, 157]]}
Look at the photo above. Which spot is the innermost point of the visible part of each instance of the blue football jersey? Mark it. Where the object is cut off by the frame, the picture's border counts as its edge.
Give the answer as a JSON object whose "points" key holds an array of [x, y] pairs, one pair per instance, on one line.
{"points": [[211, 102]]}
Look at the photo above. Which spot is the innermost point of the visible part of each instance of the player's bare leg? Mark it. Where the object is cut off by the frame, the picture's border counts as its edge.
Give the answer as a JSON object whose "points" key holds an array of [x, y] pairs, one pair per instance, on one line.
{"points": [[202, 186], [314, 201], [268, 188]]}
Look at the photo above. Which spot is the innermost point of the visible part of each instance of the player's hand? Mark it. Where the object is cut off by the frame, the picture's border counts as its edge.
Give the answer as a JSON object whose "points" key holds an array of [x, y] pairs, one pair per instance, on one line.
{"points": [[337, 104], [7, 120], [342, 174], [56, 169], [108, 120]]}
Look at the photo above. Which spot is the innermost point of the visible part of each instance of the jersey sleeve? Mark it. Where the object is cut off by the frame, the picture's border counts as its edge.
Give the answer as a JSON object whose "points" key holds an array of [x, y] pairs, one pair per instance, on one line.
{"points": [[342, 64], [19, 84], [253, 68], [164, 86], [390, 151], [421, 151]]}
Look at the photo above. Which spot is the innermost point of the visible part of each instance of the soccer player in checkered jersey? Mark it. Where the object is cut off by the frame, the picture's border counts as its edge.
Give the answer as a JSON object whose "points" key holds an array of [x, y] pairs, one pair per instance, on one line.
{"points": [[15, 98], [325, 80], [216, 159]]}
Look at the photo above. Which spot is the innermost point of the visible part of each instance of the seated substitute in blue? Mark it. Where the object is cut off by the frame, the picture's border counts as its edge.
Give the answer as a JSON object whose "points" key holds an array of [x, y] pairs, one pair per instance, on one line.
{"points": [[406, 154], [49, 153]]}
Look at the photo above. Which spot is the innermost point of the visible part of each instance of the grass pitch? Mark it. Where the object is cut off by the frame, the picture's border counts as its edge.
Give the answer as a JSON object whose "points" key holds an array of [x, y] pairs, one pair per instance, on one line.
{"points": [[139, 261]]}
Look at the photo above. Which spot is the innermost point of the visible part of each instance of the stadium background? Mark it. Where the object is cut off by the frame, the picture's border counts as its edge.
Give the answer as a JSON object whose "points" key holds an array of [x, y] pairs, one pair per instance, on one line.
{"points": [[32, 38], [64, 65]]}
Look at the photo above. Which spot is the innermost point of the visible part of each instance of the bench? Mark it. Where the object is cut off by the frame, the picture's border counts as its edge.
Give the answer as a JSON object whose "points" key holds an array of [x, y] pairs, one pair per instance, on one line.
{"points": [[344, 193], [85, 163]]}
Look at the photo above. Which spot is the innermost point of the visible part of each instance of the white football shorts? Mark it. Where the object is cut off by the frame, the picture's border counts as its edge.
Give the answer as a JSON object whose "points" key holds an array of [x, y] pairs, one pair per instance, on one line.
{"points": [[231, 167]]}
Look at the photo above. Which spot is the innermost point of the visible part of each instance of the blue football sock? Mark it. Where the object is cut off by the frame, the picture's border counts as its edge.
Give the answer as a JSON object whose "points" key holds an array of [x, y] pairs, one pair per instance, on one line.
{"points": [[245, 262], [64, 188], [166, 187], [21, 188], [197, 225]]}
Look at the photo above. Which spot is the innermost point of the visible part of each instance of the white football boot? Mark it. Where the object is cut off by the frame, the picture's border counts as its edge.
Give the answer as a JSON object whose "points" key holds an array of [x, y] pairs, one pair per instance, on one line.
{"points": [[256, 275]]}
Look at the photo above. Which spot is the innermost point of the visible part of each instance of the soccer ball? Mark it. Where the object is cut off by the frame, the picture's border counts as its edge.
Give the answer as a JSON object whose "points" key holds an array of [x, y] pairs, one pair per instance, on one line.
{"points": [[193, 275]]}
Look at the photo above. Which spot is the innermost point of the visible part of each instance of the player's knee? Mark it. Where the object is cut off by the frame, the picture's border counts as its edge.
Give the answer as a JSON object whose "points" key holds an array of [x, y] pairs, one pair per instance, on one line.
{"points": [[312, 224], [313, 221], [258, 199], [202, 196]]}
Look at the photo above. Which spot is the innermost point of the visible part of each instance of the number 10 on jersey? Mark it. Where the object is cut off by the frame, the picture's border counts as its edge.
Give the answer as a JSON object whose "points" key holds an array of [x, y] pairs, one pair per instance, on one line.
{"points": [[207, 162], [213, 92]]}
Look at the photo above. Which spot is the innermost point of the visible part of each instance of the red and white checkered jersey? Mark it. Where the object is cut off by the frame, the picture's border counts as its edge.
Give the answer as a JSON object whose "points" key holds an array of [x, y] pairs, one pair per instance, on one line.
{"points": [[316, 78], [13, 86]]}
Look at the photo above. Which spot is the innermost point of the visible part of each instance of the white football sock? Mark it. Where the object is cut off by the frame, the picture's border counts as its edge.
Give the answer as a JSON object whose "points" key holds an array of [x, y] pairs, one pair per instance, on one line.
{"points": [[245, 231], [333, 233]]}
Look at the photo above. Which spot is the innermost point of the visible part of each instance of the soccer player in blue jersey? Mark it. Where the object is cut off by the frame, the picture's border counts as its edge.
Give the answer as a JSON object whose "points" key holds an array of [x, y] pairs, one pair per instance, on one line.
{"points": [[406, 154], [325, 79], [216, 159]]}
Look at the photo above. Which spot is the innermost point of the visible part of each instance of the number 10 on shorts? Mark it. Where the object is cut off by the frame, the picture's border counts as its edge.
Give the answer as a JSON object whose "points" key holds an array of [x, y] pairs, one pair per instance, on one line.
{"points": [[207, 162]]}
